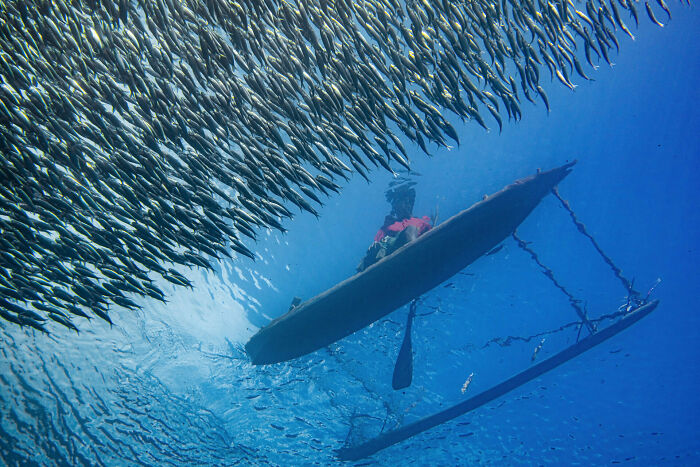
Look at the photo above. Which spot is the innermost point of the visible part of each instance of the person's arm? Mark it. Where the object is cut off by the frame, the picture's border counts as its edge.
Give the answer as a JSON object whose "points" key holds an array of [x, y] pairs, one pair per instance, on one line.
{"points": [[422, 224], [380, 234], [425, 225]]}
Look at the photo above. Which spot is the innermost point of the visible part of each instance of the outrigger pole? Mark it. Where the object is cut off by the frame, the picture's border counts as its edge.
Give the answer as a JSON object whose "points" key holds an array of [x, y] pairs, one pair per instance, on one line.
{"points": [[550, 274], [631, 293], [396, 436]]}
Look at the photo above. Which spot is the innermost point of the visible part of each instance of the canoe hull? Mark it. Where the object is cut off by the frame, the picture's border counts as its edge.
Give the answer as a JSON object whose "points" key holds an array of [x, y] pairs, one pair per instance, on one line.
{"points": [[402, 276]]}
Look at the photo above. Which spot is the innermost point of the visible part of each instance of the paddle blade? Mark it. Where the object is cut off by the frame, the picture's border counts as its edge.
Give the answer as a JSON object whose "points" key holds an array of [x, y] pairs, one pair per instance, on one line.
{"points": [[403, 369]]}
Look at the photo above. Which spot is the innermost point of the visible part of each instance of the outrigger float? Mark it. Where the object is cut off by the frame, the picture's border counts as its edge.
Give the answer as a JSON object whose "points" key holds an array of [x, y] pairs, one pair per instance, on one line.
{"points": [[407, 431]]}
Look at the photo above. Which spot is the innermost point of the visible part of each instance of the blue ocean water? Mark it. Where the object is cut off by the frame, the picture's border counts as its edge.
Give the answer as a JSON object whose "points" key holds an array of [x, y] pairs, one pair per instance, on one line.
{"points": [[171, 384]]}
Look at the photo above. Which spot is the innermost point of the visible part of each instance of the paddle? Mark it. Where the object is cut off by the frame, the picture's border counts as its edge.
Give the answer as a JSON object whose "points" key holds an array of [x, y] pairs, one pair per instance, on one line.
{"points": [[403, 369]]}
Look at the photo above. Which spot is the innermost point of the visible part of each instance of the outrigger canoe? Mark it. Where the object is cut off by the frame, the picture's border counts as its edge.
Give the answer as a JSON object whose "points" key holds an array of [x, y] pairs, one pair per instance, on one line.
{"points": [[409, 272]]}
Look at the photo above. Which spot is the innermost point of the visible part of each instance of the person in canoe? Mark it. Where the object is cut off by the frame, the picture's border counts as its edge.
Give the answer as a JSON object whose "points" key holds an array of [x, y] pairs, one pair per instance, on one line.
{"points": [[400, 227]]}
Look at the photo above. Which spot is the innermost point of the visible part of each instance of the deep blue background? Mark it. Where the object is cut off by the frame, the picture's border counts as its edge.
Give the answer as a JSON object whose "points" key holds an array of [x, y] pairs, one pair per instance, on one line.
{"points": [[171, 385]]}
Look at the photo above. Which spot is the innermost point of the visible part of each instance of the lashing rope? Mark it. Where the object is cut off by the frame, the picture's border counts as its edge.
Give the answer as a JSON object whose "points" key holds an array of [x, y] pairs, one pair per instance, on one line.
{"points": [[508, 340]]}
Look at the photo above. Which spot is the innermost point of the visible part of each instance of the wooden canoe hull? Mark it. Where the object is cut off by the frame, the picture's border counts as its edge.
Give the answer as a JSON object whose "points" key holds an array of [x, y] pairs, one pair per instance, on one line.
{"points": [[409, 272]]}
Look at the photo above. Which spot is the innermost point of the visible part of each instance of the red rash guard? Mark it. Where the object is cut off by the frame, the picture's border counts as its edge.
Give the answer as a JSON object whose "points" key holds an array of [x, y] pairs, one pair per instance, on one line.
{"points": [[422, 224]]}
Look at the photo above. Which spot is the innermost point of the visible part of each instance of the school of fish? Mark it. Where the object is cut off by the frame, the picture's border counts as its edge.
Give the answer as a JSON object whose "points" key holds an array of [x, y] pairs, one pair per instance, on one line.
{"points": [[140, 135]]}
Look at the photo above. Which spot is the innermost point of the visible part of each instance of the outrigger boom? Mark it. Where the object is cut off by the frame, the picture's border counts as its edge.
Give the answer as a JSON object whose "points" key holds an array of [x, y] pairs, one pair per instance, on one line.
{"points": [[401, 434]]}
